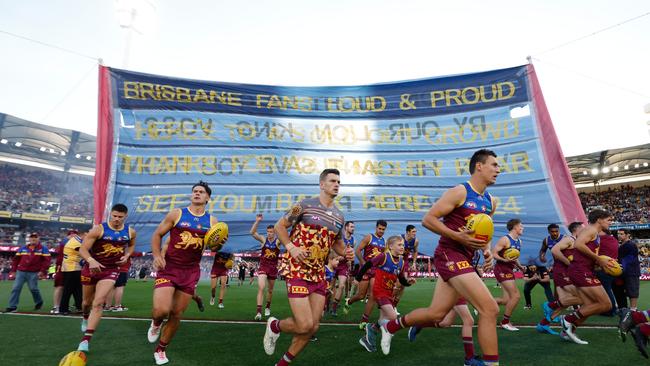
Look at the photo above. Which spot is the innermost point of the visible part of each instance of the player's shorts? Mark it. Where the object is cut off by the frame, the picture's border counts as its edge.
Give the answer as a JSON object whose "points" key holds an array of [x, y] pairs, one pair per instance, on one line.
{"points": [[503, 272], [451, 262], [121, 279], [270, 270], [383, 300], [299, 288], [182, 279], [218, 272], [631, 286], [369, 274], [581, 277], [342, 269], [58, 279], [561, 277], [89, 278]]}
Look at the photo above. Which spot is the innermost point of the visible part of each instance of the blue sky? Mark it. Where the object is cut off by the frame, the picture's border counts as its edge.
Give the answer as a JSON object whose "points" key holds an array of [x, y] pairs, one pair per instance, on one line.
{"points": [[596, 88]]}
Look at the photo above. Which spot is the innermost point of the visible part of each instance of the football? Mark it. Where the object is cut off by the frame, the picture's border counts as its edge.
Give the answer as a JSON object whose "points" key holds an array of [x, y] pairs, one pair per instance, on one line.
{"points": [[215, 237], [616, 271], [511, 253], [74, 358], [482, 226]]}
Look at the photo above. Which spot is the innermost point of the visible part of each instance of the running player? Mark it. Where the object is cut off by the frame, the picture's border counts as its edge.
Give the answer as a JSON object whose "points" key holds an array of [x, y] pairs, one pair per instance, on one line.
{"points": [[105, 248], [343, 268], [548, 242], [180, 268], [316, 227], [268, 270], [504, 271], [371, 246], [411, 245], [220, 267], [453, 256], [567, 295], [389, 268], [581, 272]]}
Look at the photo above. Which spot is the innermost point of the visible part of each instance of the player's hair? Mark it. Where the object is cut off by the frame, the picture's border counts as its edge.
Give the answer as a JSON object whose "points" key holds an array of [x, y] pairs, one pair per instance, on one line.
{"points": [[270, 227], [381, 223], [120, 207], [627, 232], [479, 156], [204, 185], [512, 223], [347, 223], [574, 226], [409, 228], [598, 214], [325, 172], [553, 226], [393, 240]]}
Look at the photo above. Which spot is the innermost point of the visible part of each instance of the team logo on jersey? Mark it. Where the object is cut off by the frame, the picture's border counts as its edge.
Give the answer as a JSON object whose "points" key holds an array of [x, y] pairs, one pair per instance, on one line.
{"points": [[471, 205], [295, 210], [483, 208], [315, 218], [184, 224]]}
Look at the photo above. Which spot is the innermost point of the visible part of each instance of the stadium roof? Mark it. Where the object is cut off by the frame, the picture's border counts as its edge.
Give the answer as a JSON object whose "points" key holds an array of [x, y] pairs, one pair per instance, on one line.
{"points": [[628, 163], [60, 148]]}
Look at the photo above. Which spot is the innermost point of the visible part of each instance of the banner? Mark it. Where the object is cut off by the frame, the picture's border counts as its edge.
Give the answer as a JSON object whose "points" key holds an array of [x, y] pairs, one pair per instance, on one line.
{"points": [[398, 146]]}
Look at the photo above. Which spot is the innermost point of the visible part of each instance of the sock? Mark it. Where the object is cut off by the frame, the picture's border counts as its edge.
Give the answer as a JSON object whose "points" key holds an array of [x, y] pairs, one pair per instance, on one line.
{"points": [[397, 324], [555, 304], [544, 322], [162, 346], [275, 326], [491, 360], [268, 304], [285, 360], [259, 309], [468, 345], [157, 323], [640, 317], [86, 315], [645, 329], [364, 318], [220, 301], [506, 319], [335, 305], [573, 317], [88, 334]]}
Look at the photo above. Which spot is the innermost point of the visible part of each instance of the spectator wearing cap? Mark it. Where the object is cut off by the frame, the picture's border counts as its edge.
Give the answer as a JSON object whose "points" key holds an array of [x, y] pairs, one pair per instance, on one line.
{"points": [[30, 261]]}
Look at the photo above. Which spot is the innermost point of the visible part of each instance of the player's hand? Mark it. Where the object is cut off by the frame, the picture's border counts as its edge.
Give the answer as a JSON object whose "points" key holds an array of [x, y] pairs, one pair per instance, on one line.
{"points": [[465, 238], [298, 253], [159, 263], [123, 259], [487, 254], [94, 266], [259, 217], [487, 265], [606, 262], [349, 254]]}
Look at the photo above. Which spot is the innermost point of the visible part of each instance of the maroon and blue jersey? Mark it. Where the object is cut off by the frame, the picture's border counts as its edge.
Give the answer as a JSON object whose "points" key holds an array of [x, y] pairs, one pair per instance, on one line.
{"points": [[581, 261], [270, 253], [376, 246], [550, 242], [409, 247], [111, 245], [349, 243], [186, 239], [387, 271], [512, 243], [329, 276]]}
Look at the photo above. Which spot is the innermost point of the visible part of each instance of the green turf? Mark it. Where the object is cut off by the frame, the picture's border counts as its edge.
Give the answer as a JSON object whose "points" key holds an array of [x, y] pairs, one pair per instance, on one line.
{"points": [[44, 340]]}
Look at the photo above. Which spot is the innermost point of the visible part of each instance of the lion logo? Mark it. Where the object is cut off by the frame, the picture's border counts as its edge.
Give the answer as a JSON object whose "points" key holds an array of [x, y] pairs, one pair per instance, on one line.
{"points": [[189, 241], [109, 250]]}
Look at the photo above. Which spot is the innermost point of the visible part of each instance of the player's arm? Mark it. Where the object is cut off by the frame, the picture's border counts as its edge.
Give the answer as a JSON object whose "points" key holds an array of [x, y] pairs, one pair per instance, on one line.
{"points": [[586, 235], [253, 230], [163, 228], [84, 250], [500, 245], [544, 277], [130, 249], [415, 253], [557, 249], [542, 251], [281, 229], [369, 264], [451, 199], [359, 249]]}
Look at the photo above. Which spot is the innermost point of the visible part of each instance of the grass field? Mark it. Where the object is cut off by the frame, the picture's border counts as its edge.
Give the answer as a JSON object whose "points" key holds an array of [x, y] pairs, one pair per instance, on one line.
{"points": [[43, 340]]}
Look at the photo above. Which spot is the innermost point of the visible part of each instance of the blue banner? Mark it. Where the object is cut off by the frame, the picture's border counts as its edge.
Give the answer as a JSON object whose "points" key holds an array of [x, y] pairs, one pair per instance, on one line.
{"points": [[398, 146]]}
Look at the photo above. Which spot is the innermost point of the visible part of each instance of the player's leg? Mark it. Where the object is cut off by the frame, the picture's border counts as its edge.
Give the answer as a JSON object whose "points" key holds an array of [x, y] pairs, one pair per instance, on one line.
{"points": [[222, 290], [362, 291], [213, 288], [102, 289], [179, 304], [567, 296], [269, 296], [261, 286], [299, 324], [370, 305], [341, 284], [594, 301], [386, 313], [510, 288], [504, 298], [466, 332], [57, 294], [163, 299], [397, 294]]}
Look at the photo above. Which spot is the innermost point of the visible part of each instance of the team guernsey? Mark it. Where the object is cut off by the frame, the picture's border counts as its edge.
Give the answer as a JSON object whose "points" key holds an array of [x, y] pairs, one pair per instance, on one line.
{"points": [[451, 258], [581, 270], [343, 269], [409, 248], [387, 271], [183, 256], [269, 259], [315, 229], [550, 242], [504, 271], [107, 250], [220, 264], [561, 270], [376, 246]]}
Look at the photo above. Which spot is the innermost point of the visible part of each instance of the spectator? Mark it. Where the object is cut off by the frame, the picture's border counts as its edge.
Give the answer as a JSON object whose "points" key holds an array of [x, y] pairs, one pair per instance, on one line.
{"points": [[30, 260], [628, 256]]}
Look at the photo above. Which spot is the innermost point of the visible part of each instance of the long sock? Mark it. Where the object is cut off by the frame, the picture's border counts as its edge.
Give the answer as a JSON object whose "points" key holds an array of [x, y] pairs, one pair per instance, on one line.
{"points": [[157, 322], [555, 304], [335, 305], [275, 326], [162, 346], [220, 301], [86, 315], [645, 329], [468, 345], [285, 360], [214, 292], [88, 334], [268, 304], [491, 360], [506, 319], [641, 316], [397, 324], [259, 309], [544, 322], [574, 317], [364, 318]]}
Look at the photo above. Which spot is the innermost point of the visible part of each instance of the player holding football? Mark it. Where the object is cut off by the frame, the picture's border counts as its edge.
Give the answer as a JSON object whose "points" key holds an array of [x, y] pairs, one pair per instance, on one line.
{"points": [[454, 254], [316, 227], [222, 264], [268, 270], [504, 271]]}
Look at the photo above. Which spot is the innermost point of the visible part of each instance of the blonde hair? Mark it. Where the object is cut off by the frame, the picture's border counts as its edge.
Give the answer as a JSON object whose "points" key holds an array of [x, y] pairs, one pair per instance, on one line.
{"points": [[394, 240]]}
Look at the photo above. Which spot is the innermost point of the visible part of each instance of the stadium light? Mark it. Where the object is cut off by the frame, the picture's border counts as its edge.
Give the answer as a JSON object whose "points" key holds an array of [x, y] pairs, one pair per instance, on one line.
{"points": [[594, 171], [88, 158], [626, 167], [645, 165], [62, 153], [605, 170], [42, 149], [584, 172], [18, 144], [51, 151], [3, 141], [78, 156], [636, 165], [615, 168]]}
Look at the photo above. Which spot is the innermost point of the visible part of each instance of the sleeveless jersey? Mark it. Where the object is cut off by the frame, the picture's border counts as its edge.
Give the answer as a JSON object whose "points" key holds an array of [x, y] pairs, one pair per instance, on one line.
{"points": [[550, 242], [270, 253], [568, 253], [109, 248], [409, 247], [186, 239], [387, 270], [329, 276], [349, 243], [374, 248], [582, 261], [474, 203], [513, 244]]}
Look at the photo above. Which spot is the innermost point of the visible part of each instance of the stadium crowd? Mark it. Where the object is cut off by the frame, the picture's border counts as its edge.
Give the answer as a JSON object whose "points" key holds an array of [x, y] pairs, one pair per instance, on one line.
{"points": [[628, 204]]}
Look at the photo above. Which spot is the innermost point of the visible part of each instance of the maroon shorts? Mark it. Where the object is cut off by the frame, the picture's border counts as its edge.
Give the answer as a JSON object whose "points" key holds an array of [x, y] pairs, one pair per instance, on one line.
{"points": [[58, 279], [218, 272], [451, 262], [503, 272], [268, 269], [370, 274], [561, 277], [298, 288], [582, 277], [342, 269], [89, 278], [383, 300], [182, 279], [461, 301]]}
